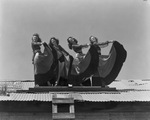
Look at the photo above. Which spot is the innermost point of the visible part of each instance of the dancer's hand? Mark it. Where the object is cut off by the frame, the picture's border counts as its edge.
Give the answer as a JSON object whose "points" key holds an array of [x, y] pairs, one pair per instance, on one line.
{"points": [[88, 44], [43, 43]]}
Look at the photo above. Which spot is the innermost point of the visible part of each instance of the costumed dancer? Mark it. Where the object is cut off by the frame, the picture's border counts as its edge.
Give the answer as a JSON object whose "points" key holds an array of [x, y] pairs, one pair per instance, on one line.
{"points": [[99, 45], [54, 42], [73, 44], [35, 44], [60, 54]]}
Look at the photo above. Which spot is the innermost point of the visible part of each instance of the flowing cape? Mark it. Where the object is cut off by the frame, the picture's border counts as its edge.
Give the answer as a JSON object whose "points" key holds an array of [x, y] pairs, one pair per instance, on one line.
{"points": [[110, 66]]}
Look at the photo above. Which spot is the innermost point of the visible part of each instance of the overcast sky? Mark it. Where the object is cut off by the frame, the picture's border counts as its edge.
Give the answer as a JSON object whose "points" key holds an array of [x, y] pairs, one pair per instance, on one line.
{"points": [[127, 21]]}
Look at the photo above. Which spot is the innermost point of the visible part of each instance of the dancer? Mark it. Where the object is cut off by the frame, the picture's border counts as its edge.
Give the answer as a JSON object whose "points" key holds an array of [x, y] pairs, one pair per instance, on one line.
{"points": [[73, 44], [94, 41], [60, 55], [35, 44]]}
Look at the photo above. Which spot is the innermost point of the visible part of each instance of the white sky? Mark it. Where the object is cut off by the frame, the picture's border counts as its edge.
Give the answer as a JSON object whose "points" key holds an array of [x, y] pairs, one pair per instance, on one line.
{"points": [[127, 21]]}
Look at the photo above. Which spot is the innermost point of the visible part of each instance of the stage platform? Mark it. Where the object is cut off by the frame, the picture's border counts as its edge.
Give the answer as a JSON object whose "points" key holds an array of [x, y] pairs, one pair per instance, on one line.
{"points": [[67, 89]]}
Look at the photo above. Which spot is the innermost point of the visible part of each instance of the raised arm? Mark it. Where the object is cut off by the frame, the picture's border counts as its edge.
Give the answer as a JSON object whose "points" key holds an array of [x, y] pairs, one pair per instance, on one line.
{"points": [[85, 45], [80, 46], [37, 43], [104, 44]]}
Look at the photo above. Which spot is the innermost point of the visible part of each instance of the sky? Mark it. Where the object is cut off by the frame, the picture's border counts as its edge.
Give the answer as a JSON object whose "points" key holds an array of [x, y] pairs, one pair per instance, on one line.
{"points": [[126, 21]]}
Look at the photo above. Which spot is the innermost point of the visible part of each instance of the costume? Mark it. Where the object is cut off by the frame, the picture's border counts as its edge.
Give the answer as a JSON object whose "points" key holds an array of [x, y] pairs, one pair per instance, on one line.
{"points": [[36, 48]]}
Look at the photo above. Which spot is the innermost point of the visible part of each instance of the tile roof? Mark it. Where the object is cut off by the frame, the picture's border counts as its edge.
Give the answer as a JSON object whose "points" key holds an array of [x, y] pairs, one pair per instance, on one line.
{"points": [[141, 96], [131, 96], [5, 98], [128, 91], [31, 97], [119, 84]]}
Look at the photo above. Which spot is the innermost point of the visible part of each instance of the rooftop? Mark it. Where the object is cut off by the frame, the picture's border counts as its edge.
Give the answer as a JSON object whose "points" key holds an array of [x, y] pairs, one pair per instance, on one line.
{"points": [[126, 91]]}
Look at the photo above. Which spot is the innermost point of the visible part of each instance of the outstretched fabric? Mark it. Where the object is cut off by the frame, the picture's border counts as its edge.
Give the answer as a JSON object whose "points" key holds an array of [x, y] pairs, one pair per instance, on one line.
{"points": [[109, 67], [43, 61], [43, 67], [88, 66]]}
